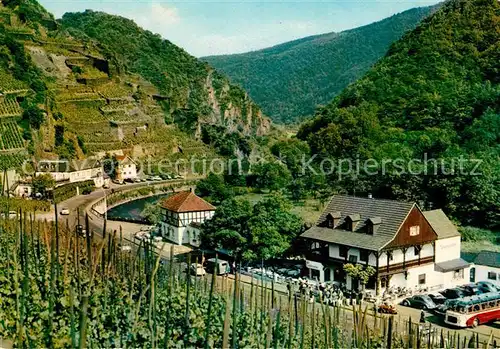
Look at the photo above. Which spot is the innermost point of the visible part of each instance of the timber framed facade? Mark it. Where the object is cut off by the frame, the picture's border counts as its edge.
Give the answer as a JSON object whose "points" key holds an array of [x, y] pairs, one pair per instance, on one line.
{"points": [[405, 246]]}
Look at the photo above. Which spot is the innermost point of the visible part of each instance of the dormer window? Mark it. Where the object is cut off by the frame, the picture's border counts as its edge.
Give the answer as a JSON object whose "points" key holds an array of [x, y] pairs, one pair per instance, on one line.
{"points": [[332, 219], [372, 225], [352, 221]]}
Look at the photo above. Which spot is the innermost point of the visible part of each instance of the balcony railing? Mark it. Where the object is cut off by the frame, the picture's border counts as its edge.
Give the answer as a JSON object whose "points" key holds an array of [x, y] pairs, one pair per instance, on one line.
{"points": [[322, 257], [402, 267]]}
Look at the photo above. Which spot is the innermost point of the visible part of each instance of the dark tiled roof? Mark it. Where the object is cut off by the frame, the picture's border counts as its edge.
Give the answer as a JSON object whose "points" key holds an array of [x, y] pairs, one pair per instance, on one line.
{"points": [[454, 264], [186, 201], [338, 236], [488, 258], [391, 214], [124, 159], [443, 227], [468, 256]]}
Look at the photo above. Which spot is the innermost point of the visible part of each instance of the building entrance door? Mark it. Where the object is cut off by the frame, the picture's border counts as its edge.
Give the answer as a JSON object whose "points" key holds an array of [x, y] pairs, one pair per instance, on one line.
{"points": [[472, 274], [354, 284]]}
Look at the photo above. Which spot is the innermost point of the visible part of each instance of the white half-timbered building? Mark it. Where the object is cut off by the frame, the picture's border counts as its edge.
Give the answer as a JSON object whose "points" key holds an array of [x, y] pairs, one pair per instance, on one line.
{"points": [[182, 214]]}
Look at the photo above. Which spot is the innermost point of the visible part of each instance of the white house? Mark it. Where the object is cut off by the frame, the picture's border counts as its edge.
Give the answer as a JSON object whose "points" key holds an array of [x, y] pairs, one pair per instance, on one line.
{"points": [[453, 270], [182, 213], [22, 188], [405, 246], [64, 171], [486, 267], [16, 184], [127, 168]]}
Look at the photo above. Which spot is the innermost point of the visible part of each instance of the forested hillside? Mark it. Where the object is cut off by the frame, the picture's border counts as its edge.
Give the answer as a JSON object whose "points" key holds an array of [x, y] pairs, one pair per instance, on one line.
{"points": [[195, 94], [436, 94], [289, 80], [65, 94]]}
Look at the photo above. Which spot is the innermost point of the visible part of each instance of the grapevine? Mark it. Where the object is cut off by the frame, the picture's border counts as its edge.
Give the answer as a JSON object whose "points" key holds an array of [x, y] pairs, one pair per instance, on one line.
{"points": [[11, 137], [10, 107]]}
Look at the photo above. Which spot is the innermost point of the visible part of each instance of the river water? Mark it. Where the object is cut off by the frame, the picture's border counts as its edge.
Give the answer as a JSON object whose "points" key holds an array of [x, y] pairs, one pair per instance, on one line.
{"points": [[131, 211]]}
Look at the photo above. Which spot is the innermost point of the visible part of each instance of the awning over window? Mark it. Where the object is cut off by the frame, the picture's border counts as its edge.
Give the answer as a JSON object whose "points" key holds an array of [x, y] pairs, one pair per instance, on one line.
{"points": [[314, 265], [454, 264]]}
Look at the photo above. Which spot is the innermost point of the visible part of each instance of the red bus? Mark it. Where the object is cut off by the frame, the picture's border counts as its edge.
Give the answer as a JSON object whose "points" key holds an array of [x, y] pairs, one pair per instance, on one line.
{"points": [[475, 310]]}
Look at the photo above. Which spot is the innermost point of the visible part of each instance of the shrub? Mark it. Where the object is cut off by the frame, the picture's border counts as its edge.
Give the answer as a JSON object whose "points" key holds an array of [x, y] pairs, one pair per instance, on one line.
{"points": [[473, 234]]}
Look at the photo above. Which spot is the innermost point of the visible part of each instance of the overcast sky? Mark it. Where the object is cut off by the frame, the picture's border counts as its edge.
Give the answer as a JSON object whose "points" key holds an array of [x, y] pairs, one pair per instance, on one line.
{"points": [[205, 27]]}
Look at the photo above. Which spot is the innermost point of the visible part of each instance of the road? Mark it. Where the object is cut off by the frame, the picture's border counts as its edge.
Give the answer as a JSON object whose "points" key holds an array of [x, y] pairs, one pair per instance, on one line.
{"points": [[78, 205]]}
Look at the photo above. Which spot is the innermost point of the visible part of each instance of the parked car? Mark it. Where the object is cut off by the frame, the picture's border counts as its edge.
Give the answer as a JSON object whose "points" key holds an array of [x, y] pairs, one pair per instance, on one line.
{"points": [[137, 180], [437, 298], [197, 269], [125, 248], [470, 289], [83, 233], [156, 178], [118, 181], [165, 176], [79, 229], [453, 293], [142, 235], [487, 286], [441, 309], [387, 309], [420, 302], [157, 239], [106, 186], [12, 214], [222, 266], [65, 211]]}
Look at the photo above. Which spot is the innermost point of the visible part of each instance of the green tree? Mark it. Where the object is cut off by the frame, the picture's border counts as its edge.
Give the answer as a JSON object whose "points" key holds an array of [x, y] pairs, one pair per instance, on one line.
{"points": [[43, 183], [34, 115], [214, 188], [59, 135], [152, 213], [358, 272], [263, 231], [110, 165], [67, 149], [293, 153], [231, 217], [81, 144], [272, 227], [271, 175]]}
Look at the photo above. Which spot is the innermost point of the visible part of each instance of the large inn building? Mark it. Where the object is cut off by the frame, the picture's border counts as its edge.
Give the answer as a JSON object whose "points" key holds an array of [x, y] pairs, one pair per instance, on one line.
{"points": [[405, 246]]}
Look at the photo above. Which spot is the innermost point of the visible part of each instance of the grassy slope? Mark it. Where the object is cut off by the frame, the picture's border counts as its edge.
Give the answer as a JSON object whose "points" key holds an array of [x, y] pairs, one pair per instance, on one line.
{"points": [[291, 79]]}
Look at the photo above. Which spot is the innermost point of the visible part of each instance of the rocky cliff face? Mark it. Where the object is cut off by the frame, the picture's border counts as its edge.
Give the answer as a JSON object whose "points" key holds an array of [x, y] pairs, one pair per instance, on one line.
{"points": [[237, 114]]}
